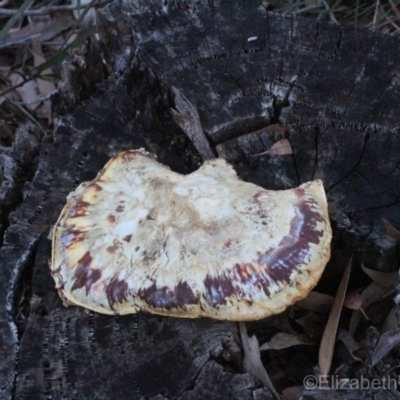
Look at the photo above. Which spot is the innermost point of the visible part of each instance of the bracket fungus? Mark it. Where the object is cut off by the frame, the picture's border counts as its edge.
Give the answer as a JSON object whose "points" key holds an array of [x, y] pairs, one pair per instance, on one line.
{"points": [[140, 237]]}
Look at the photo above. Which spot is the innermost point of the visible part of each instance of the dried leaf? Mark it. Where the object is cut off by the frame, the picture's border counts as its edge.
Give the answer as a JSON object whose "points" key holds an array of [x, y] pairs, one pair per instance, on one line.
{"points": [[281, 147], [385, 279], [45, 30], [284, 340], [293, 392], [328, 338], [45, 87], [347, 339], [318, 302], [374, 293], [391, 230], [283, 323], [371, 294], [312, 324], [386, 343], [354, 321], [12, 21], [353, 300], [272, 128], [28, 92], [44, 111], [252, 359], [391, 322], [378, 311]]}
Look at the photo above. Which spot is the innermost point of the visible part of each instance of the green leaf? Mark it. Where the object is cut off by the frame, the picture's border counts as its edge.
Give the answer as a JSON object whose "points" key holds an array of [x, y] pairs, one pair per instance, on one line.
{"points": [[53, 78]]}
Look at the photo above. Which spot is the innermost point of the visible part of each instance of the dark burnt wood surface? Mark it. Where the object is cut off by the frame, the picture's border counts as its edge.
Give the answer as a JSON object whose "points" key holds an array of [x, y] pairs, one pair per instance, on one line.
{"points": [[333, 89]]}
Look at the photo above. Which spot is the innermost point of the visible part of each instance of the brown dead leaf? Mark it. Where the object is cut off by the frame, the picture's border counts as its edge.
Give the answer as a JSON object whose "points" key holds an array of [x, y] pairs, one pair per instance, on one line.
{"points": [[283, 323], [328, 338], [391, 322], [45, 87], [391, 230], [353, 300], [12, 95], [312, 324], [385, 279], [355, 319], [45, 30], [28, 92], [252, 359], [293, 392], [284, 340], [318, 302], [281, 147], [348, 340], [386, 343], [371, 294], [374, 293], [273, 128]]}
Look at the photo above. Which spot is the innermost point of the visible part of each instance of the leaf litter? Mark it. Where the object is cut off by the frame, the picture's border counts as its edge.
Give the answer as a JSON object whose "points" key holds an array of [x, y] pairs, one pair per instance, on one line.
{"points": [[352, 314], [35, 38]]}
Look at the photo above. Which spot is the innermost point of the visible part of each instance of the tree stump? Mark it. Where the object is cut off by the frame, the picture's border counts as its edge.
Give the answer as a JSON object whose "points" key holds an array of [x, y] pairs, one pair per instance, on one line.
{"points": [[254, 78]]}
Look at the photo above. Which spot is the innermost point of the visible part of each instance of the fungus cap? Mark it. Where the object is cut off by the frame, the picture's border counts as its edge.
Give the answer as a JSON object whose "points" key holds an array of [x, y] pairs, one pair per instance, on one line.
{"points": [[140, 237]]}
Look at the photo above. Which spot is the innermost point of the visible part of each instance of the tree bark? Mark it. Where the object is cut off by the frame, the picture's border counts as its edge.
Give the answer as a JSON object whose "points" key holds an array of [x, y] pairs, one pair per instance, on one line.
{"points": [[253, 78]]}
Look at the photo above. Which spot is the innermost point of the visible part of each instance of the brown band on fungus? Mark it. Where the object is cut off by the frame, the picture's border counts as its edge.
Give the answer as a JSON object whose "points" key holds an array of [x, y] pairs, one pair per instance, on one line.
{"points": [[293, 250], [79, 209], [276, 264], [56, 271], [116, 291], [96, 187], [169, 298], [248, 273], [85, 275], [71, 235], [308, 210], [218, 289]]}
